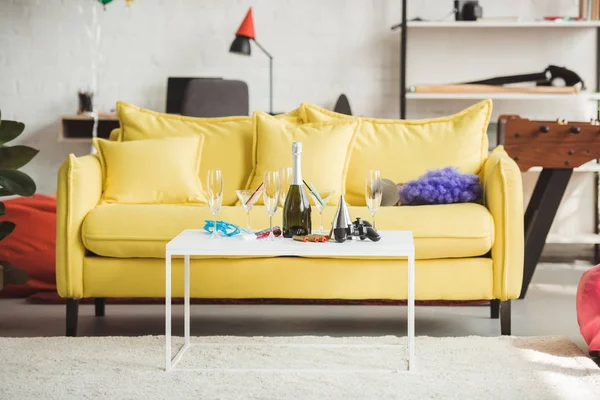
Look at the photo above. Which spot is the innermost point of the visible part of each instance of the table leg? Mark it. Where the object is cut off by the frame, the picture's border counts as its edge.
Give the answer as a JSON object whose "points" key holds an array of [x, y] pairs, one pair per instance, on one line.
{"points": [[187, 299], [540, 213], [168, 312], [411, 311]]}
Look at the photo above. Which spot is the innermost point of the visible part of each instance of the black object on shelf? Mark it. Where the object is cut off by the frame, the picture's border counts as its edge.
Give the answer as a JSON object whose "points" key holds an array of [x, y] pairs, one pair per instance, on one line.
{"points": [[467, 10], [85, 102], [551, 76]]}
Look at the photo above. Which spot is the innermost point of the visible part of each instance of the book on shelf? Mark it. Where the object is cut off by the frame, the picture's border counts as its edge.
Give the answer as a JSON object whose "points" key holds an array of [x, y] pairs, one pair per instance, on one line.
{"points": [[589, 10], [584, 9]]}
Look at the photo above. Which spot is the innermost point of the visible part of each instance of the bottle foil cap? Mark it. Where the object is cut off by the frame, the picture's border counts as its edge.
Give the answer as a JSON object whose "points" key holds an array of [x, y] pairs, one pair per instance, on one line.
{"points": [[296, 147]]}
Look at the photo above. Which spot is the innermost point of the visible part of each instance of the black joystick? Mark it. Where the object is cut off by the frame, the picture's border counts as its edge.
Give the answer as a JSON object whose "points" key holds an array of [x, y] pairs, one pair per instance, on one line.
{"points": [[359, 228]]}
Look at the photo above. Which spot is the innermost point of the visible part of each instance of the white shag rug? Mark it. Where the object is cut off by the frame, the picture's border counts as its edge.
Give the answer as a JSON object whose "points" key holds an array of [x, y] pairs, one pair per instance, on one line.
{"points": [[473, 367]]}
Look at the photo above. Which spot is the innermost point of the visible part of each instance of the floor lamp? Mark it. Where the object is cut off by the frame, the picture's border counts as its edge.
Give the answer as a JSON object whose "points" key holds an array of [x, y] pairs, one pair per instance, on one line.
{"points": [[241, 45]]}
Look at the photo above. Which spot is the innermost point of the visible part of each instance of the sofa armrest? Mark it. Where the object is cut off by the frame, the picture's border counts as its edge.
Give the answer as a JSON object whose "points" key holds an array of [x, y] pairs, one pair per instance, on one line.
{"points": [[503, 196], [79, 190]]}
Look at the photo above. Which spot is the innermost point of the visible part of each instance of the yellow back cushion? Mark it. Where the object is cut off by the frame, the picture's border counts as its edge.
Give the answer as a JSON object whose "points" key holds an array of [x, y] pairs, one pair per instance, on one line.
{"points": [[325, 150], [151, 171], [227, 140], [405, 149]]}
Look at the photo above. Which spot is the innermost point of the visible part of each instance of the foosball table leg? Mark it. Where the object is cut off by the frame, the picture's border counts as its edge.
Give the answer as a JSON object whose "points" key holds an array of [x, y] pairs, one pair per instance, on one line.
{"points": [[542, 208]]}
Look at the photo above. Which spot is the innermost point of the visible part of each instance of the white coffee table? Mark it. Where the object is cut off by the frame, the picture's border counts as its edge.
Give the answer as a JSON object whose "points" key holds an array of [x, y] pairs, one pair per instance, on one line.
{"points": [[393, 244]]}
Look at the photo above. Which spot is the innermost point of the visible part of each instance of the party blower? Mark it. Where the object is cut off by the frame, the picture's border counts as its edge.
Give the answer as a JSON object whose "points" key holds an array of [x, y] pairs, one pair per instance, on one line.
{"points": [[343, 228]]}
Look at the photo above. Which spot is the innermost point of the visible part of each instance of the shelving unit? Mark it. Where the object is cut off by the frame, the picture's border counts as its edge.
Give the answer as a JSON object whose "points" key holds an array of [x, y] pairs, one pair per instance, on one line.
{"points": [[405, 26], [503, 24], [500, 96]]}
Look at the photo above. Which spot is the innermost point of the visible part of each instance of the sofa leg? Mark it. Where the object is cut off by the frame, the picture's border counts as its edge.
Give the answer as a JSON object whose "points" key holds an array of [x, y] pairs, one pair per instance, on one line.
{"points": [[505, 318], [72, 313], [99, 303], [494, 309]]}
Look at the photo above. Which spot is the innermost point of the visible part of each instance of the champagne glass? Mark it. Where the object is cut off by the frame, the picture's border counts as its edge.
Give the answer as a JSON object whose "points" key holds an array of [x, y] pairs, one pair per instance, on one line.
{"points": [[373, 192], [325, 197], [214, 189], [248, 199], [285, 180], [271, 198]]}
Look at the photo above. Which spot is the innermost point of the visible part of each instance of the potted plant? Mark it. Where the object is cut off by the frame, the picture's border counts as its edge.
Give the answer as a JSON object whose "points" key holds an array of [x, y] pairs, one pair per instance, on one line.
{"points": [[13, 182]]}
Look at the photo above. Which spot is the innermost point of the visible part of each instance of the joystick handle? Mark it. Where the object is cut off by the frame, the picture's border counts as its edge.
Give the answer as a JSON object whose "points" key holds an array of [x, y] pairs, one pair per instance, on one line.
{"points": [[372, 234]]}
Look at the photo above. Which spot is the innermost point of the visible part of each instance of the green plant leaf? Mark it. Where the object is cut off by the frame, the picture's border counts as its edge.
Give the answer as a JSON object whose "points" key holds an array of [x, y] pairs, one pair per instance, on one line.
{"points": [[6, 227], [10, 130], [4, 192], [2, 208], [15, 157], [17, 182], [13, 275]]}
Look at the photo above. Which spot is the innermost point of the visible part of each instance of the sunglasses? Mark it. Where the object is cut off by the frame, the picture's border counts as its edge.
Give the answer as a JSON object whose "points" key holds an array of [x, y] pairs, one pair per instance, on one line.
{"points": [[225, 228]]}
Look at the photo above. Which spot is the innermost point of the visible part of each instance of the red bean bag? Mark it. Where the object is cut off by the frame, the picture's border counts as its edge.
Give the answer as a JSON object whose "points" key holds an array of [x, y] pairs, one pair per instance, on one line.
{"points": [[588, 308], [31, 246]]}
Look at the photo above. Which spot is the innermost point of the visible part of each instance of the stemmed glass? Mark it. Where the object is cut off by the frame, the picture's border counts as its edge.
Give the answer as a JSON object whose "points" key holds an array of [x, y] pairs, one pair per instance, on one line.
{"points": [[271, 198], [373, 192], [285, 180], [214, 188], [325, 197], [248, 199]]}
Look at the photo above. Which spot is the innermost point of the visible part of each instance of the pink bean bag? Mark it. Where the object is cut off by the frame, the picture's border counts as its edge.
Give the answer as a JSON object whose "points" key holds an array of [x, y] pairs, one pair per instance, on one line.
{"points": [[588, 308]]}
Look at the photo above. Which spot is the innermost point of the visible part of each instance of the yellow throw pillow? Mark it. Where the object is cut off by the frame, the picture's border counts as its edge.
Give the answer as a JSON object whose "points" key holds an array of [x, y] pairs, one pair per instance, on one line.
{"points": [[227, 140], [151, 171], [325, 151], [405, 149]]}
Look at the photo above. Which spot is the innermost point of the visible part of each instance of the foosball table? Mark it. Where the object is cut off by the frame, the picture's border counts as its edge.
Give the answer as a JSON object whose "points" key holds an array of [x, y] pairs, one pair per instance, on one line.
{"points": [[558, 147]]}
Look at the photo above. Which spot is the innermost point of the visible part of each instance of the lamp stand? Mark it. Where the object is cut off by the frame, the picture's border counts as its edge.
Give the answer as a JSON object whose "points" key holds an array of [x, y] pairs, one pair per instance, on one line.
{"points": [[270, 75]]}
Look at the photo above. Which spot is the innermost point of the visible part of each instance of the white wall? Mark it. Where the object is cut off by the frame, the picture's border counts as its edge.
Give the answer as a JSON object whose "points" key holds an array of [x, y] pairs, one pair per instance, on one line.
{"points": [[321, 49]]}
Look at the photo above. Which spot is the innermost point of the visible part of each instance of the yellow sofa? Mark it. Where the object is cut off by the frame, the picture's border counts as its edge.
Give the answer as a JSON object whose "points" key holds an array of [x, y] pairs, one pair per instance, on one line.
{"points": [[463, 251]]}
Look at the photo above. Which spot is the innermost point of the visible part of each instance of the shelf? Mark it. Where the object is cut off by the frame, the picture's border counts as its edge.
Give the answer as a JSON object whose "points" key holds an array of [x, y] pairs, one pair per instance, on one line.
{"points": [[501, 96], [592, 167], [78, 128], [578, 238], [76, 117], [503, 24]]}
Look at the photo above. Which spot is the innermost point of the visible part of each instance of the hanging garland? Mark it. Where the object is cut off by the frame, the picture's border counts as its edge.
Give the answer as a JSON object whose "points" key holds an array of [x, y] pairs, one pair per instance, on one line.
{"points": [[105, 2]]}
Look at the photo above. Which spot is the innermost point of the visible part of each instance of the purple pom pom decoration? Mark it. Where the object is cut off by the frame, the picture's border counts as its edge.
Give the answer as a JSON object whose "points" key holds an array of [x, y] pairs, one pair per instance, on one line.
{"points": [[441, 186]]}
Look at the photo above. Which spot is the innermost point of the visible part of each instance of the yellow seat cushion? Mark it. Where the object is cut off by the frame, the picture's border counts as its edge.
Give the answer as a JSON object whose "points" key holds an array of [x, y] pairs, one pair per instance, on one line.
{"points": [[325, 150], [151, 171], [291, 278], [441, 231], [405, 149], [227, 140]]}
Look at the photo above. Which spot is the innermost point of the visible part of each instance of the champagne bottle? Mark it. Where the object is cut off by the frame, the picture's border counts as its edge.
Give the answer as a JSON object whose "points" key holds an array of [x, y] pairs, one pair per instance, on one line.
{"points": [[296, 210]]}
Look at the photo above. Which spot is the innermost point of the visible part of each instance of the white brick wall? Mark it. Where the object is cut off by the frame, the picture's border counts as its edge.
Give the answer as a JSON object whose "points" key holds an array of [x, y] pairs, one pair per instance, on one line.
{"points": [[321, 49]]}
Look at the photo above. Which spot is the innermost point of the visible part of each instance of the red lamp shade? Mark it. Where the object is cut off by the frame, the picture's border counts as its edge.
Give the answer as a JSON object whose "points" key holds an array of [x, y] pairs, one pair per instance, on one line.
{"points": [[246, 29]]}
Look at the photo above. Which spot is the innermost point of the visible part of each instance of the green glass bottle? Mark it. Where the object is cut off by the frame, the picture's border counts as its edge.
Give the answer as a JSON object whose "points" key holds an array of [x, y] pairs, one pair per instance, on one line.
{"points": [[296, 210]]}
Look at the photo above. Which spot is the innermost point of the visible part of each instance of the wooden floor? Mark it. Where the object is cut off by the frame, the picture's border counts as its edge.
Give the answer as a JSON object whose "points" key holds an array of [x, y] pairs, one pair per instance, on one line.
{"points": [[549, 309]]}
